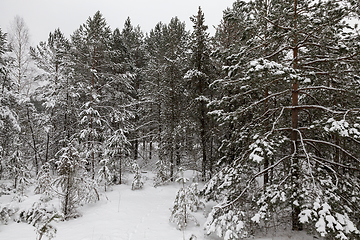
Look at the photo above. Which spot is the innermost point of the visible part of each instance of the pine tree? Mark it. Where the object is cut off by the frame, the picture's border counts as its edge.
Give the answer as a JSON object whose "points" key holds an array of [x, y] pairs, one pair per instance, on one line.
{"points": [[155, 47], [104, 91], [91, 42], [44, 182], [162, 173], [137, 183], [18, 169], [57, 110], [167, 49], [286, 78], [132, 39], [186, 201], [199, 76], [9, 124], [70, 179]]}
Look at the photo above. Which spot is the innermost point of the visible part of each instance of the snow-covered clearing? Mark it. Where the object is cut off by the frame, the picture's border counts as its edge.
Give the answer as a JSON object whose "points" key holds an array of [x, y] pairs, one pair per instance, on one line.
{"points": [[121, 214]]}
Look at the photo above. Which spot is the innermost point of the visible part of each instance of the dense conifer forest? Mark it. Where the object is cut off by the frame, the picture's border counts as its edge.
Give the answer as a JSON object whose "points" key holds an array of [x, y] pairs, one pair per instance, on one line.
{"points": [[267, 111]]}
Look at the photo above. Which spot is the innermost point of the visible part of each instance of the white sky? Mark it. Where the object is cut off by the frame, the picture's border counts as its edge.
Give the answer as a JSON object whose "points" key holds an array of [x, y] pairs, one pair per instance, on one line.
{"points": [[44, 16]]}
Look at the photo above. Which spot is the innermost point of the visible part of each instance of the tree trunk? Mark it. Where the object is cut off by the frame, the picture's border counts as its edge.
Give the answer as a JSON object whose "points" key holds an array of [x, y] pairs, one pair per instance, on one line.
{"points": [[150, 150], [34, 144], [120, 169], [267, 127], [296, 224]]}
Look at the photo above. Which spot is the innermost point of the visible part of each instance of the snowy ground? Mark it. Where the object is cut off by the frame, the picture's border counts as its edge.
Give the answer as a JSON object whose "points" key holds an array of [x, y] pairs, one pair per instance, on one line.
{"points": [[122, 214]]}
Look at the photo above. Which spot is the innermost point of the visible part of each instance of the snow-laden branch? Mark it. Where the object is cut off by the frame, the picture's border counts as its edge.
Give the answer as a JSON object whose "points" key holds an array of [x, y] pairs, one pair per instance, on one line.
{"points": [[330, 59], [277, 52], [321, 88], [251, 180], [306, 154], [328, 167], [334, 163], [263, 100], [274, 123], [333, 145], [315, 107], [300, 44], [319, 71], [276, 25], [351, 110]]}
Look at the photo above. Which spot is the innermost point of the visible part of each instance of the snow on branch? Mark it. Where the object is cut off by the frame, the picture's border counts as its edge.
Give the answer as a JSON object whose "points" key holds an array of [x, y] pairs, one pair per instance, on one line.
{"points": [[333, 145], [315, 107], [251, 180], [263, 100], [322, 88]]}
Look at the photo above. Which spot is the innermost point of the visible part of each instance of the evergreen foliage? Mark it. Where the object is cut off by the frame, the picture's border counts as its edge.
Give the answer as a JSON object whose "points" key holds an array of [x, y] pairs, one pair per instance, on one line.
{"points": [[281, 98], [17, 169], [199, 77], [162, 173], [186, 201], [56, 96], [71, 180], [267, 110], [40, 216], [137, 183], [44, 182], [6, 213], [167, 46]]}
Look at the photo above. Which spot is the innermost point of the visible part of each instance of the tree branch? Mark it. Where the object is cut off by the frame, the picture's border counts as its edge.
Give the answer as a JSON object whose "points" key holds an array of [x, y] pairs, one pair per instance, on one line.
{"points": [[333, 145]]}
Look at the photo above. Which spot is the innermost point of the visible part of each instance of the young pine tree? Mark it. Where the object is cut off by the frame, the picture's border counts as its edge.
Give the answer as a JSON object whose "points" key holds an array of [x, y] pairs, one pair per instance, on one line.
{"points": [[70, 179], [186, 201]]}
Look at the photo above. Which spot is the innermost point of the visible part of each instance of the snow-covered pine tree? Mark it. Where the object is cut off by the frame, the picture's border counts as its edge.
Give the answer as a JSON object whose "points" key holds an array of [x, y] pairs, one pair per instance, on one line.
{"points": [[155, 49], [70, 179], [167, 46], [186, 201], [17, 169], [137, 183], [290, 99], [162, 173], [104, 91], [119, 99], [134, 60], [9, 124], [56, 121], [44, 181], [117, 150], [198, 80], [41, 215], [91, 70]]}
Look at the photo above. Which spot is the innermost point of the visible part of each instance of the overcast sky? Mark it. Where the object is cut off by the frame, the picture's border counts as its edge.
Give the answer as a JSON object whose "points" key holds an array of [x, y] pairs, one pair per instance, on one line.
{"points": [[44, 16]]}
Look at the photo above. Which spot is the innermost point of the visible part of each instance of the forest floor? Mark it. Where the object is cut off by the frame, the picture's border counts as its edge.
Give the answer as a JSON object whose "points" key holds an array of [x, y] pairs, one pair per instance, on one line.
{"points": [[123, 214]]}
